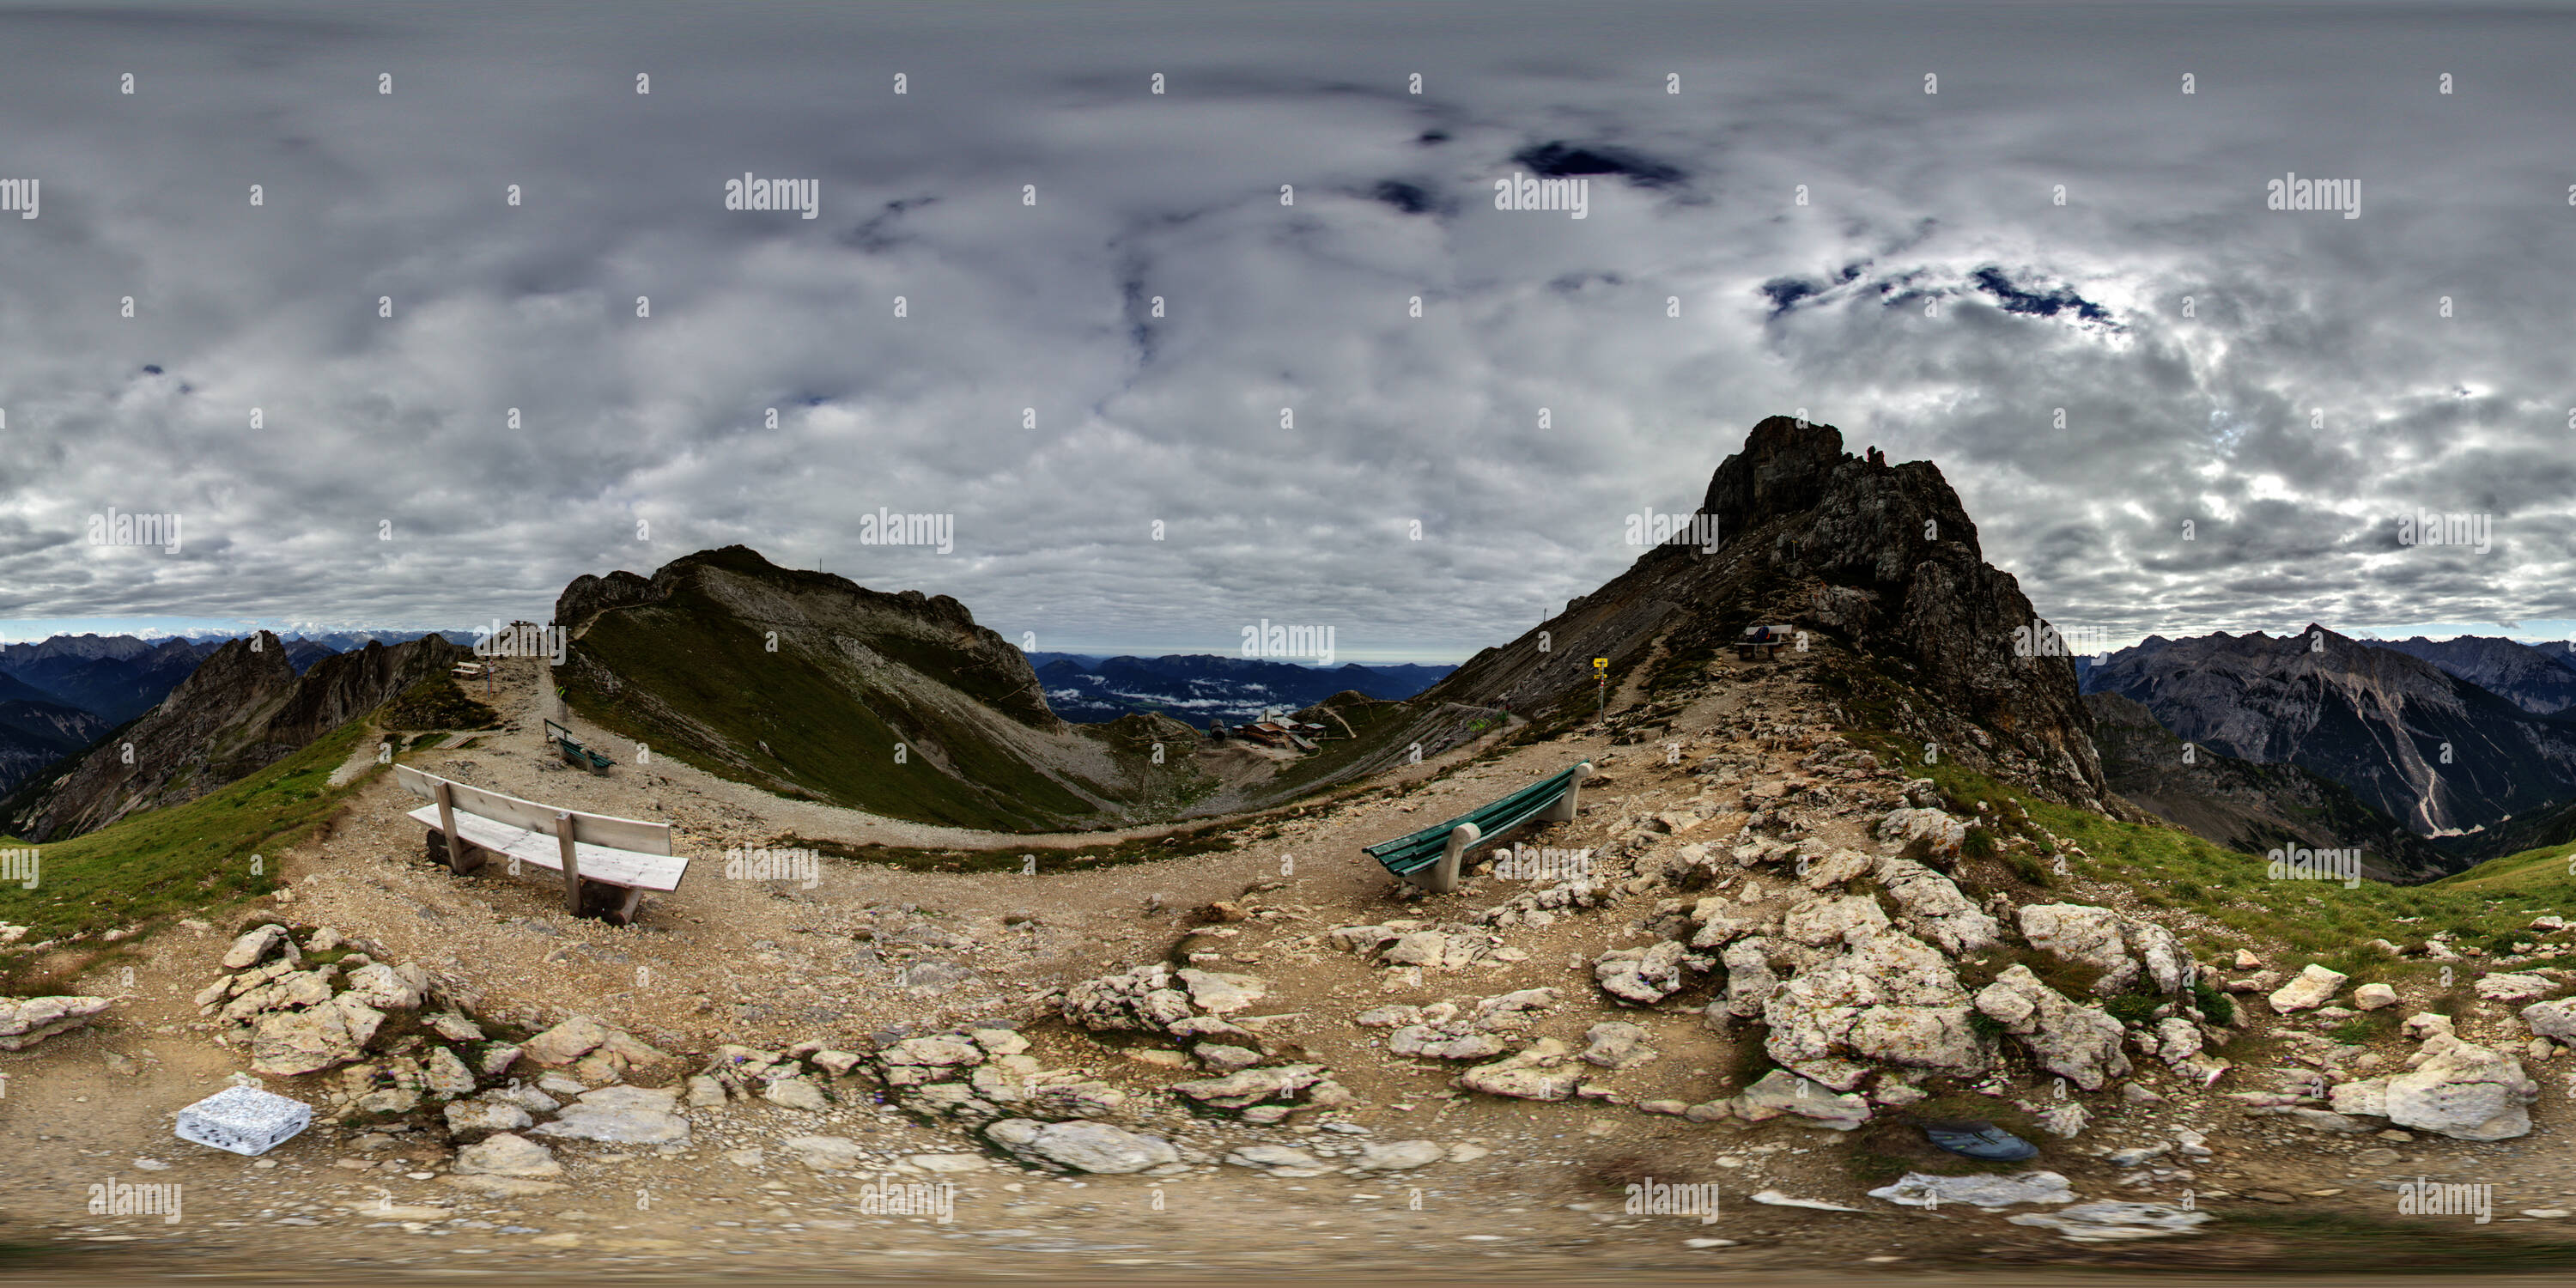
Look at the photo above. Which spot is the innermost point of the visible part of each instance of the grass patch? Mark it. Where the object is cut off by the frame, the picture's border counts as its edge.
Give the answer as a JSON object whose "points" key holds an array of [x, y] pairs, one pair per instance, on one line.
{"points": [[185, 859]]}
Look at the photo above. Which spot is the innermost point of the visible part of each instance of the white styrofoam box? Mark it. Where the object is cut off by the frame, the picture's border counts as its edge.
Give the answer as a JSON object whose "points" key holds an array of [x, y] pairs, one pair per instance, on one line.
{"points": [[244, 1120]]}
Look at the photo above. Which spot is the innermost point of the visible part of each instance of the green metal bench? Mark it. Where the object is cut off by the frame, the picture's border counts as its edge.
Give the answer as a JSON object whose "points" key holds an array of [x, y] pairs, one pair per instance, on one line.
{"points": [[1429, 858], [573, 752]]}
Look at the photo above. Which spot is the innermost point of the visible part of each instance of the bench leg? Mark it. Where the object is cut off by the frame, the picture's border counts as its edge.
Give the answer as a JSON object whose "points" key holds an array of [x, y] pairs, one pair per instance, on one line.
{"points": [[1563, 810], [624, 912], [1442, 877]]}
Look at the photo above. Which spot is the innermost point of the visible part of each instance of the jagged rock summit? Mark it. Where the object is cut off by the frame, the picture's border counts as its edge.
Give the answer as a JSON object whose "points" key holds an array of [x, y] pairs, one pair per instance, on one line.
{"points": [[1880, 557]]}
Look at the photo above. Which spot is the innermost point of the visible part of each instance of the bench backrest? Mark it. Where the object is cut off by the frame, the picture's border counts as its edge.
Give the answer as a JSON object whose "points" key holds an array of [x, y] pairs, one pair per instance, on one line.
{"points": [[590, 829], [1491, 819]]}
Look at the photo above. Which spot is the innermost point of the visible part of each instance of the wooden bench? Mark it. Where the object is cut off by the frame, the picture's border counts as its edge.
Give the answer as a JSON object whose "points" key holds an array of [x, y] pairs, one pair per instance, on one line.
{"points": [[573, 752], [1761, 643], [607, 863], [1429, 858]]}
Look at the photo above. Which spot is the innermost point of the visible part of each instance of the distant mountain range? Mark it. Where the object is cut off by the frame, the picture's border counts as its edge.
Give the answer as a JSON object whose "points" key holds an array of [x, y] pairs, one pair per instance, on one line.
{"points": [[2540, 679], [1203, 687], [2411, 736], [242, 709], [59, 695], [2247, 806]]}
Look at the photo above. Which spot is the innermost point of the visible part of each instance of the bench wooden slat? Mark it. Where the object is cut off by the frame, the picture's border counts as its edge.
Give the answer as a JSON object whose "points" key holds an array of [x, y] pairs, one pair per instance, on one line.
{"points": [[597, 829], [596, 862], [1408, 854]]}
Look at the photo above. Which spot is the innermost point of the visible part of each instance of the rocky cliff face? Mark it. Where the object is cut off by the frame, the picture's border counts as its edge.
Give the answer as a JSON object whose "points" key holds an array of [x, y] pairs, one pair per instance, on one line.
{"points": [[1879, 556], [241, 710], [2527, 677], [2436, 752]]}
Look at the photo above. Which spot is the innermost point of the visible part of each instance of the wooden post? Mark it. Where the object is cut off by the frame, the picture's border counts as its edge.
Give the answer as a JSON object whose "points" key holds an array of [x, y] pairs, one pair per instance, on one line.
{"points": [[571, 864], [446, 797]]}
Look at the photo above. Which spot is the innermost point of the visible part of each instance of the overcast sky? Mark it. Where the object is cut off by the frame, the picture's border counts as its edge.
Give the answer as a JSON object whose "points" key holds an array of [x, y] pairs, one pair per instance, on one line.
{"points": [[398, 426]]}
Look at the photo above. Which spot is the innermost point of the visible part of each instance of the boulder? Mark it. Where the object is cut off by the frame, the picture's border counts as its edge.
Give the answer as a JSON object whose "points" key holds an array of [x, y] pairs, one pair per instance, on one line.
{"points": [[2122, 948], [1218, 994], [448, 1075], [507, 1154], [1782, 1092], [2554, 1020], [26, 1021], [1642, 975], [2081, 1043], [1225, 1058], [565, 1042], [1082, 1146], [1547, 1070], [2503, 987], [2463, 1091], [288, 1043], [1445, 1042], [2372, 997], [1930, 905], [2367, 1096], [826, 1153], [1617, 1045], [385, 989], [1830, 919], [2314, 987], [795, 1093], [623, 1116], [1886, 998], [472, 1120], [1923, 833], [257, 944], [1272, 1156], [1251, 1086]]}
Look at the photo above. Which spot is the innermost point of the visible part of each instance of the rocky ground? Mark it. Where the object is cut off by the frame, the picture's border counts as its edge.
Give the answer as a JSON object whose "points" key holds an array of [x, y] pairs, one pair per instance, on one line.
{"points": [[1778, 961]]}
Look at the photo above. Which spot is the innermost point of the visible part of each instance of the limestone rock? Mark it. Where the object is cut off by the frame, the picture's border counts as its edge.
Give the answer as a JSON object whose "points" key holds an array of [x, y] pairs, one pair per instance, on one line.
{"points": [[381, 987], [1399, 1156], [253, 946], [2078, 1042], [1887, 998], [448, 1075], [795, 1093], [472, 1120], [1825, 920], [1452, 1041], [826, 1153], [1782, 1092], [1251, 1086], [2463, 1091], [2555, 1020], [1931, 906], [1082, 1146], [1617, 1045], [1923, 833], [2371, 997], [1219, 994], [1547, 1070], [565, 1042], [2314, 987], [623, 1116], [26, 1021], [507, 1154], [2503, 987], [2120, 947]]}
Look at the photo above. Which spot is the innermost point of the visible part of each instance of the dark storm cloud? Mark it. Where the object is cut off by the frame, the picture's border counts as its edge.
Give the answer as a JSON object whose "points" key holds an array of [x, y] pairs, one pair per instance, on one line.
{"points": [[2285, 383]]}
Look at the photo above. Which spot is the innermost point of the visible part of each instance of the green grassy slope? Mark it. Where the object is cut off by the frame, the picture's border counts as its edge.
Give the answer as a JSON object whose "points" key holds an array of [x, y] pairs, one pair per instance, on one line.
{"points": [[192, 858]]}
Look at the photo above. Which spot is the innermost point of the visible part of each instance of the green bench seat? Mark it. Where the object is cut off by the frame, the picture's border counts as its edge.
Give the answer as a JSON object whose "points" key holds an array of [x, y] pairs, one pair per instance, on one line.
{"points": [[1430, 858]]}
